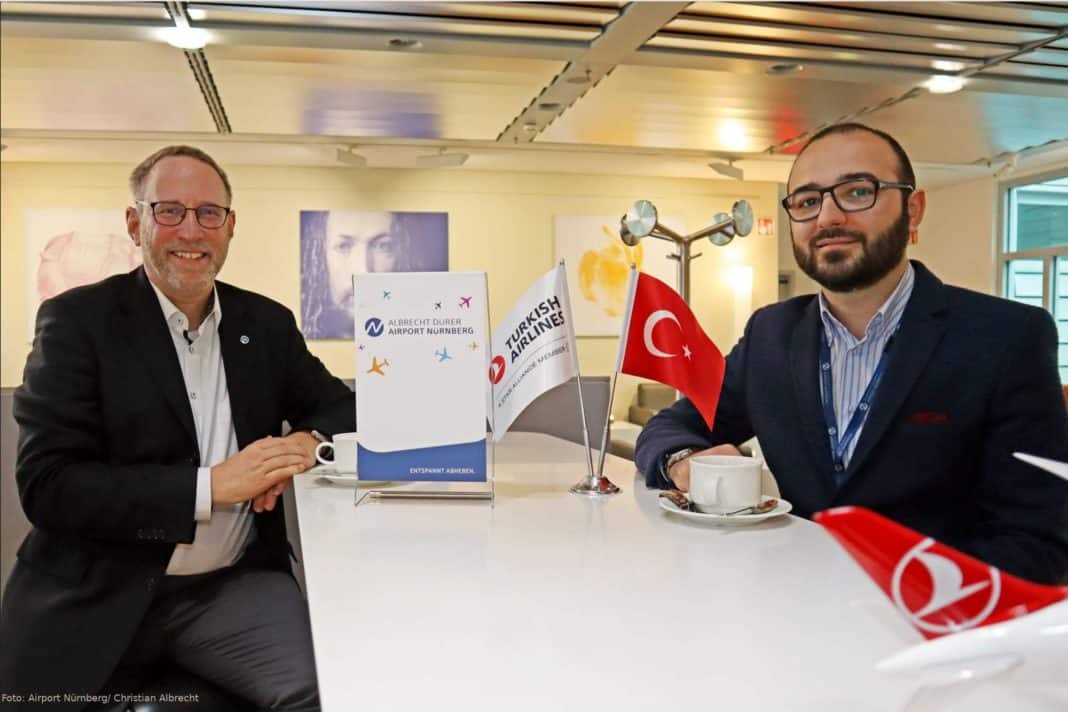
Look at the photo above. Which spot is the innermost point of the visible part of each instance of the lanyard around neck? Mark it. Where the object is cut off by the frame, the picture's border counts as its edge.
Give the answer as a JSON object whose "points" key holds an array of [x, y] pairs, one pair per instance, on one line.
{"points": [[840, 446]]}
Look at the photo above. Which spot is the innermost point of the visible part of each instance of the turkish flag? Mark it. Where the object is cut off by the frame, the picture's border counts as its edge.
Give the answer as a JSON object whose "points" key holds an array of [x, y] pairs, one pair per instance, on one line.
{"points": [[665, 343]]}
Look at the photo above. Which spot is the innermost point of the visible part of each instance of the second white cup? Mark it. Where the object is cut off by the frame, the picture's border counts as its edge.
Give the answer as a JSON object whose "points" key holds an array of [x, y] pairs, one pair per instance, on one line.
{"points": [[724, 483], [344, 447]]}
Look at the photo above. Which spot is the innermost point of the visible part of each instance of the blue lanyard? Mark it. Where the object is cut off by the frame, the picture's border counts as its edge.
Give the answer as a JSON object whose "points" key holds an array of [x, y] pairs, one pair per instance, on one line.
{"points": [[839, 447]]}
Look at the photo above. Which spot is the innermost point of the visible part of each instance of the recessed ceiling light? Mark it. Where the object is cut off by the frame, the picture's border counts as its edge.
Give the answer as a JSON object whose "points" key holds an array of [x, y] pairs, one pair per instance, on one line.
{"points": [[530, 127], [185, 37], [947, 65], [733, 136], [549, 106], [949, 46], [404, 43], [782, 69], [944, 84], [196, 13]]}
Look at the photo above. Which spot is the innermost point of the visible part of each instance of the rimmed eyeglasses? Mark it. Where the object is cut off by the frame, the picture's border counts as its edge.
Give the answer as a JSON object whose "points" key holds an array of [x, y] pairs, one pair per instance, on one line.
{"points": [[169, 213], [851, 196]]}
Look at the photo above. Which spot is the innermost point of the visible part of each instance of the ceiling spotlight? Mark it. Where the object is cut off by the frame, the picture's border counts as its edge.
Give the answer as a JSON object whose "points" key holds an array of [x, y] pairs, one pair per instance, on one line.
{"points": [[196, 13], [549, 106], [728, 169], [784, 69], [185, 37], [530, 127], [404, 43], [944, 84], [349, 158], [441, 160], [579, 78]]}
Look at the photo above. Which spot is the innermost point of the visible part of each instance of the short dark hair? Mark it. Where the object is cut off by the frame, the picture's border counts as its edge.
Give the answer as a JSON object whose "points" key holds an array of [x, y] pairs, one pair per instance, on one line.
{"points": [[904, 167], [140, 174]]}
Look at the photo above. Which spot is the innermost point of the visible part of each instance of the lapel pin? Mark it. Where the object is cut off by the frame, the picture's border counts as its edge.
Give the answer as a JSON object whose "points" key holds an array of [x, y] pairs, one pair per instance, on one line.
{"points": [[244, 339]]}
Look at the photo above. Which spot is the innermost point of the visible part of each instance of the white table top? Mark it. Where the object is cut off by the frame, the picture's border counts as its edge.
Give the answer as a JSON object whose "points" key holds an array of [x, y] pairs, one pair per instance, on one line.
{"points": [[552, 601]]}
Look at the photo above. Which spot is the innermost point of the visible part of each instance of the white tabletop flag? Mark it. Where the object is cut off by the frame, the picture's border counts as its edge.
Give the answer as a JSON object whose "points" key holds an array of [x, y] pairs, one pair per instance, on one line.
{"points": [[533, 349]]}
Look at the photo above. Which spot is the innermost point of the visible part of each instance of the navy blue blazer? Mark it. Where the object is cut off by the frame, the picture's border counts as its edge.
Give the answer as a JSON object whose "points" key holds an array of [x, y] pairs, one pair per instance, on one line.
{"points": [[971, 379]]}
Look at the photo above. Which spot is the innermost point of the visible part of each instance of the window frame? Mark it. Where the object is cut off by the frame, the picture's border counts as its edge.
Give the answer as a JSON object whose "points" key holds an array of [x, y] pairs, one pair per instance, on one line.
{"points": [[1048, 255]]}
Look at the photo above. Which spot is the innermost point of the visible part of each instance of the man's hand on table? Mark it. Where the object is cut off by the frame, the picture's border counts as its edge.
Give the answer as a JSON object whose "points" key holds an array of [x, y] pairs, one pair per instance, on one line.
{"points": [[265, 502], [261, 470], [680, 471]]}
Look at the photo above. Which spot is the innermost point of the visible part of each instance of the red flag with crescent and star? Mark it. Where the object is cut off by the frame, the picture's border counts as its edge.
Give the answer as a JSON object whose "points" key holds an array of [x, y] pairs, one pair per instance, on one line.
{"points": [[665, 343]]}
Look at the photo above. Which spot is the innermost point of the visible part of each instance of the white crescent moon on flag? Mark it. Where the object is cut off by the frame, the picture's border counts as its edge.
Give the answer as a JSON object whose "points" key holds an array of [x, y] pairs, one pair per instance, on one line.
{"points": [[654, 319]]}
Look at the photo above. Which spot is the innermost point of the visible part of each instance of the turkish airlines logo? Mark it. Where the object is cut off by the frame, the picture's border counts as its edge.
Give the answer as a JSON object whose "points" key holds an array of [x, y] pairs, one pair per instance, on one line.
{"points": [[949, 604], [496, 371], [373, 327], [647, 334]]}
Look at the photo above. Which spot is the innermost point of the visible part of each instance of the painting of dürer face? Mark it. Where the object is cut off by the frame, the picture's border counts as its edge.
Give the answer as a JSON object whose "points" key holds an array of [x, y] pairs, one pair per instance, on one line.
{"points": [[334, 245]]}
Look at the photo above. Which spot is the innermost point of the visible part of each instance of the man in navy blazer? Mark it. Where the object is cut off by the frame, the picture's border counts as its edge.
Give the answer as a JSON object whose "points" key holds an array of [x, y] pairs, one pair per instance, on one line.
{"points": [[889, 389], [150, 463]]}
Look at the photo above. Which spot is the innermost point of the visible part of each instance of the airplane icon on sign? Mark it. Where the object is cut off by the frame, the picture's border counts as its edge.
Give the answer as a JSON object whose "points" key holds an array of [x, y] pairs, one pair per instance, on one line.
{"points": [[442, 355], [376, 366], [465, 302]]}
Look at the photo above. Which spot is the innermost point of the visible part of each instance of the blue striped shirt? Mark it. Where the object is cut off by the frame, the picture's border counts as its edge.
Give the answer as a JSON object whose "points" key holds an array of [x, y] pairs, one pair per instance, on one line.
{"points": [[853, 360]]}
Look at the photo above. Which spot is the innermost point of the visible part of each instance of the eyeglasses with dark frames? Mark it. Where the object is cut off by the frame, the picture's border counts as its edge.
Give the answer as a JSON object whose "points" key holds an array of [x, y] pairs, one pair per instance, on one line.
{"points": [[170, 213], [851, 196]]}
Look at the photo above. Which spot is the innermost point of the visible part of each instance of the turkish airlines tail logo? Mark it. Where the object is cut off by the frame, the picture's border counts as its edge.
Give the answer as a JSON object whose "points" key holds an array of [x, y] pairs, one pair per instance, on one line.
{"points": [[937, 588]]}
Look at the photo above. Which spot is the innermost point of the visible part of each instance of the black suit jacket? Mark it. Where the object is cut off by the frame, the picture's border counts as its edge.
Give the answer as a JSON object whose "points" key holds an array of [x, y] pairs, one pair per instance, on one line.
{"points": [[970, 380], [107, 465]]}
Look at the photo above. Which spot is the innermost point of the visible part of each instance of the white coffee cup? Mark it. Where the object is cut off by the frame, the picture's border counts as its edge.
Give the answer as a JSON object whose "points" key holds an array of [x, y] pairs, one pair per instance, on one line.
{"points": [[344, 447], [724, 483]]}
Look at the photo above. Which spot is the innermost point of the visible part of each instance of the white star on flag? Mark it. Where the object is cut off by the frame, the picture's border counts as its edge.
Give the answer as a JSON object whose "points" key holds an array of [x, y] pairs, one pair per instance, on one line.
{"points": [[686, 351]]}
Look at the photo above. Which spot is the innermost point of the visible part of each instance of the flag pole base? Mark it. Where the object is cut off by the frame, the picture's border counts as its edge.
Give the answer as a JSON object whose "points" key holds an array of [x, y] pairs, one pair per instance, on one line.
{"points": [[595, 487]]}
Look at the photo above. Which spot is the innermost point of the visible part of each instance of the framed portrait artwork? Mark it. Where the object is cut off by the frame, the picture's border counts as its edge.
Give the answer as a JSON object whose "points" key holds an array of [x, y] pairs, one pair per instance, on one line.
{"points": [[69, 247], [336, 244]]}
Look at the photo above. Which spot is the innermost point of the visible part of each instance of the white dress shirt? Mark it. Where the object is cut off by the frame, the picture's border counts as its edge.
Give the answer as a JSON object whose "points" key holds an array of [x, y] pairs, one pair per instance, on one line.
{"points": [[222, 531], [853, 360]]}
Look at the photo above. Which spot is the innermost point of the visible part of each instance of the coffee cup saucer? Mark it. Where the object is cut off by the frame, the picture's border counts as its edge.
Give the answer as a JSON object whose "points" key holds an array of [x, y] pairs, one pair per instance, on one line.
{"points": [[727, 520]]}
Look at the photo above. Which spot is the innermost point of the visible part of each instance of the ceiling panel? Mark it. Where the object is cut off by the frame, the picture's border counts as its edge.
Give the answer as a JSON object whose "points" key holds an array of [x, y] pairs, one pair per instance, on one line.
{"points": [[968, 126], [537, 22], [374, 94], [976, 24], [127, 10], [95, 85], [1015, 14], [715, 111], [873, 37]]}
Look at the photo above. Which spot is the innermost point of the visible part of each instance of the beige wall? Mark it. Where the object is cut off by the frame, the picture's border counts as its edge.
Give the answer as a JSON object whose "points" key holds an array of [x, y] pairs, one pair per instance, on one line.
{"points": [[957, 238], [501, 223]]}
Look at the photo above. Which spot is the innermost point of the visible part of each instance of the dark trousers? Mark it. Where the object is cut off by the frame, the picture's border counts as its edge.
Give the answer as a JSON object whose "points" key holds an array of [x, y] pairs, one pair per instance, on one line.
{"points": [[243, 629]]}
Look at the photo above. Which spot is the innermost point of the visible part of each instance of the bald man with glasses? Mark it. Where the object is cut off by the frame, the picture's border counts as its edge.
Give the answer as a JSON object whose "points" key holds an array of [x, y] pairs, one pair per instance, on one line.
{"points": [[889, 389], [150, 463]]}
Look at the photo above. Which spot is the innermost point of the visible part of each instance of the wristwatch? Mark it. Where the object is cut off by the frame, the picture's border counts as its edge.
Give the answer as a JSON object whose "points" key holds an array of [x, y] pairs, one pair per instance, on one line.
{"points": [[671, 459]]}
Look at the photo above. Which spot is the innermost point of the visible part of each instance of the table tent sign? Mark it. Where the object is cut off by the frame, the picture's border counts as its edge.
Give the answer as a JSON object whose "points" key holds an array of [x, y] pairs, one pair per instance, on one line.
{"points": [[421, 364]]}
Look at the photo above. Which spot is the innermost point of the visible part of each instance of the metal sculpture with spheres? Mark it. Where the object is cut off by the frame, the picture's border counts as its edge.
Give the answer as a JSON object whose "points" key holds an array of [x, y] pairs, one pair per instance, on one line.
{"points": [[642, 221]]}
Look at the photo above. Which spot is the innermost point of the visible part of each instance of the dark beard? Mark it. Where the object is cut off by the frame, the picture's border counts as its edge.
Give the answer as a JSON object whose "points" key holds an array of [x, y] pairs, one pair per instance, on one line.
{"points": [[878, 257]]}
